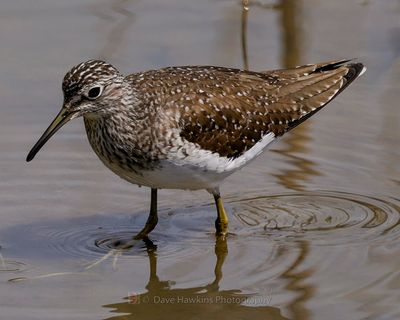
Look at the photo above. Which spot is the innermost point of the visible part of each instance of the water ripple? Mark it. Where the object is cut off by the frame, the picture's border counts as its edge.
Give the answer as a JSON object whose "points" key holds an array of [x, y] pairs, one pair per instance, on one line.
{"points": [[324, 217], [8, 265], [267, 227], [91, 237]]}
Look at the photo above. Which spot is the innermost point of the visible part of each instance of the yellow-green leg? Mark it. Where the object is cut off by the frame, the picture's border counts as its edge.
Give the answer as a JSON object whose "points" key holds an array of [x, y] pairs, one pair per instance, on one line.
{"points": [[152, 219], [221, 224]]}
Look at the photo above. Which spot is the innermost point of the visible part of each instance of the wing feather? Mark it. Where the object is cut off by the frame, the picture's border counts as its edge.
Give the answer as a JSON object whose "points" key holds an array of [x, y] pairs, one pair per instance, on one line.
{"points": [[228, 111]]}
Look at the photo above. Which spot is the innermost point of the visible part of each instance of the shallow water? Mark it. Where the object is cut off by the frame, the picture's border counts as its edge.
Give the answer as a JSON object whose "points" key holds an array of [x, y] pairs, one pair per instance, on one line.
{"points": [[315, 221]]}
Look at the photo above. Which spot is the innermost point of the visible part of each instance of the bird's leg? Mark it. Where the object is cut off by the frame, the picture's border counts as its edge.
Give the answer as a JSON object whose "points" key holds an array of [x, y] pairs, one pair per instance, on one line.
{"points": [[152, 219], [221, 224]]}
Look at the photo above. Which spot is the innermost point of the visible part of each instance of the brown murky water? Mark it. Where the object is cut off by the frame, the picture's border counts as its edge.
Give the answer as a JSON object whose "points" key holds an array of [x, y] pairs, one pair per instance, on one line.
{"points": [[315, 228]]}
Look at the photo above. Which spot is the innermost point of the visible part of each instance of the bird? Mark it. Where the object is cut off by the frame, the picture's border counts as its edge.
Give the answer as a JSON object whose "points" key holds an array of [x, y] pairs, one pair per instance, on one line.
{"points": [[190, 127]]}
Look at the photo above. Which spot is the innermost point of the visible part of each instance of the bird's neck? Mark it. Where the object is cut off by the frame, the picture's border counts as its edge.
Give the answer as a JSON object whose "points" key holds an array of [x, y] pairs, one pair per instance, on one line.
{"points": [[124, 128]]}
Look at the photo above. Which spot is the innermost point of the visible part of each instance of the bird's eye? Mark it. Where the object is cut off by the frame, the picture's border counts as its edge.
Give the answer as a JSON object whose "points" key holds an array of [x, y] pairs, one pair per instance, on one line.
{"points": [[94, 92]]}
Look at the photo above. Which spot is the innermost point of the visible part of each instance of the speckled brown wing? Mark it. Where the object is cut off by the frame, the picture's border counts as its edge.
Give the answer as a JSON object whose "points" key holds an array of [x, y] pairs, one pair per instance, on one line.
{"points": [[310, 87], [228, 111]]}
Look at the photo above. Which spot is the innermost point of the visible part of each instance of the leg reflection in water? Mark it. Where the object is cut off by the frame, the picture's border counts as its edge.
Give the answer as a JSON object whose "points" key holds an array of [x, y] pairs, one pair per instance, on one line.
{"points": [[164, 298]]}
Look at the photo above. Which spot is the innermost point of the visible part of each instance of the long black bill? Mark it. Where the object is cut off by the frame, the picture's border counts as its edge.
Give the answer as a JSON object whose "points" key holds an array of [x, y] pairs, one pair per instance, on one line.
{"points": [[62, 118]]}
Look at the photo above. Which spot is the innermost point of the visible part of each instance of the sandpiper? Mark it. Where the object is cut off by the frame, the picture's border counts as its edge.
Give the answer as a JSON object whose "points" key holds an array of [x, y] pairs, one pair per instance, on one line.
{"points": [[191, 127]]}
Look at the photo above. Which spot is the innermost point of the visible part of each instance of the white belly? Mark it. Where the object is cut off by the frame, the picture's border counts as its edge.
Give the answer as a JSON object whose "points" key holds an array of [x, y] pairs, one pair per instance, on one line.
{"points": [[201, 170], [168, 175]]}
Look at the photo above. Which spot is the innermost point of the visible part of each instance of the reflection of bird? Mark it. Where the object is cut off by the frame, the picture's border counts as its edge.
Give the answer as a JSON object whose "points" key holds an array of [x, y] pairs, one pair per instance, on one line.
{"points": [[191, 127], [162, 298]]}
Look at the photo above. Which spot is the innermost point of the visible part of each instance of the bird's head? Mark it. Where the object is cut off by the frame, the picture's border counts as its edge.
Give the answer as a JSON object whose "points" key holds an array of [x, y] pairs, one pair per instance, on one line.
{"points": [[92, 88]]}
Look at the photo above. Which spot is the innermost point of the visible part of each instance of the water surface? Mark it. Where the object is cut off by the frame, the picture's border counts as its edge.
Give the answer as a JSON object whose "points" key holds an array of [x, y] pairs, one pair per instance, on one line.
{"points": [[314, 221]]}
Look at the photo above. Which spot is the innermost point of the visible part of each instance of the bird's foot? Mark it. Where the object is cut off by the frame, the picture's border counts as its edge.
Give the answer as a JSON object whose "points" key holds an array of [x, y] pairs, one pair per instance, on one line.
{"points": [[144, 233]]}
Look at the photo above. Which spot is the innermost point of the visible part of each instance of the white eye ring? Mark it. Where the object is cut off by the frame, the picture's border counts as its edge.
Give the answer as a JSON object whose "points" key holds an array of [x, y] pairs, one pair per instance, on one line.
{"points": [[94, 92]]}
